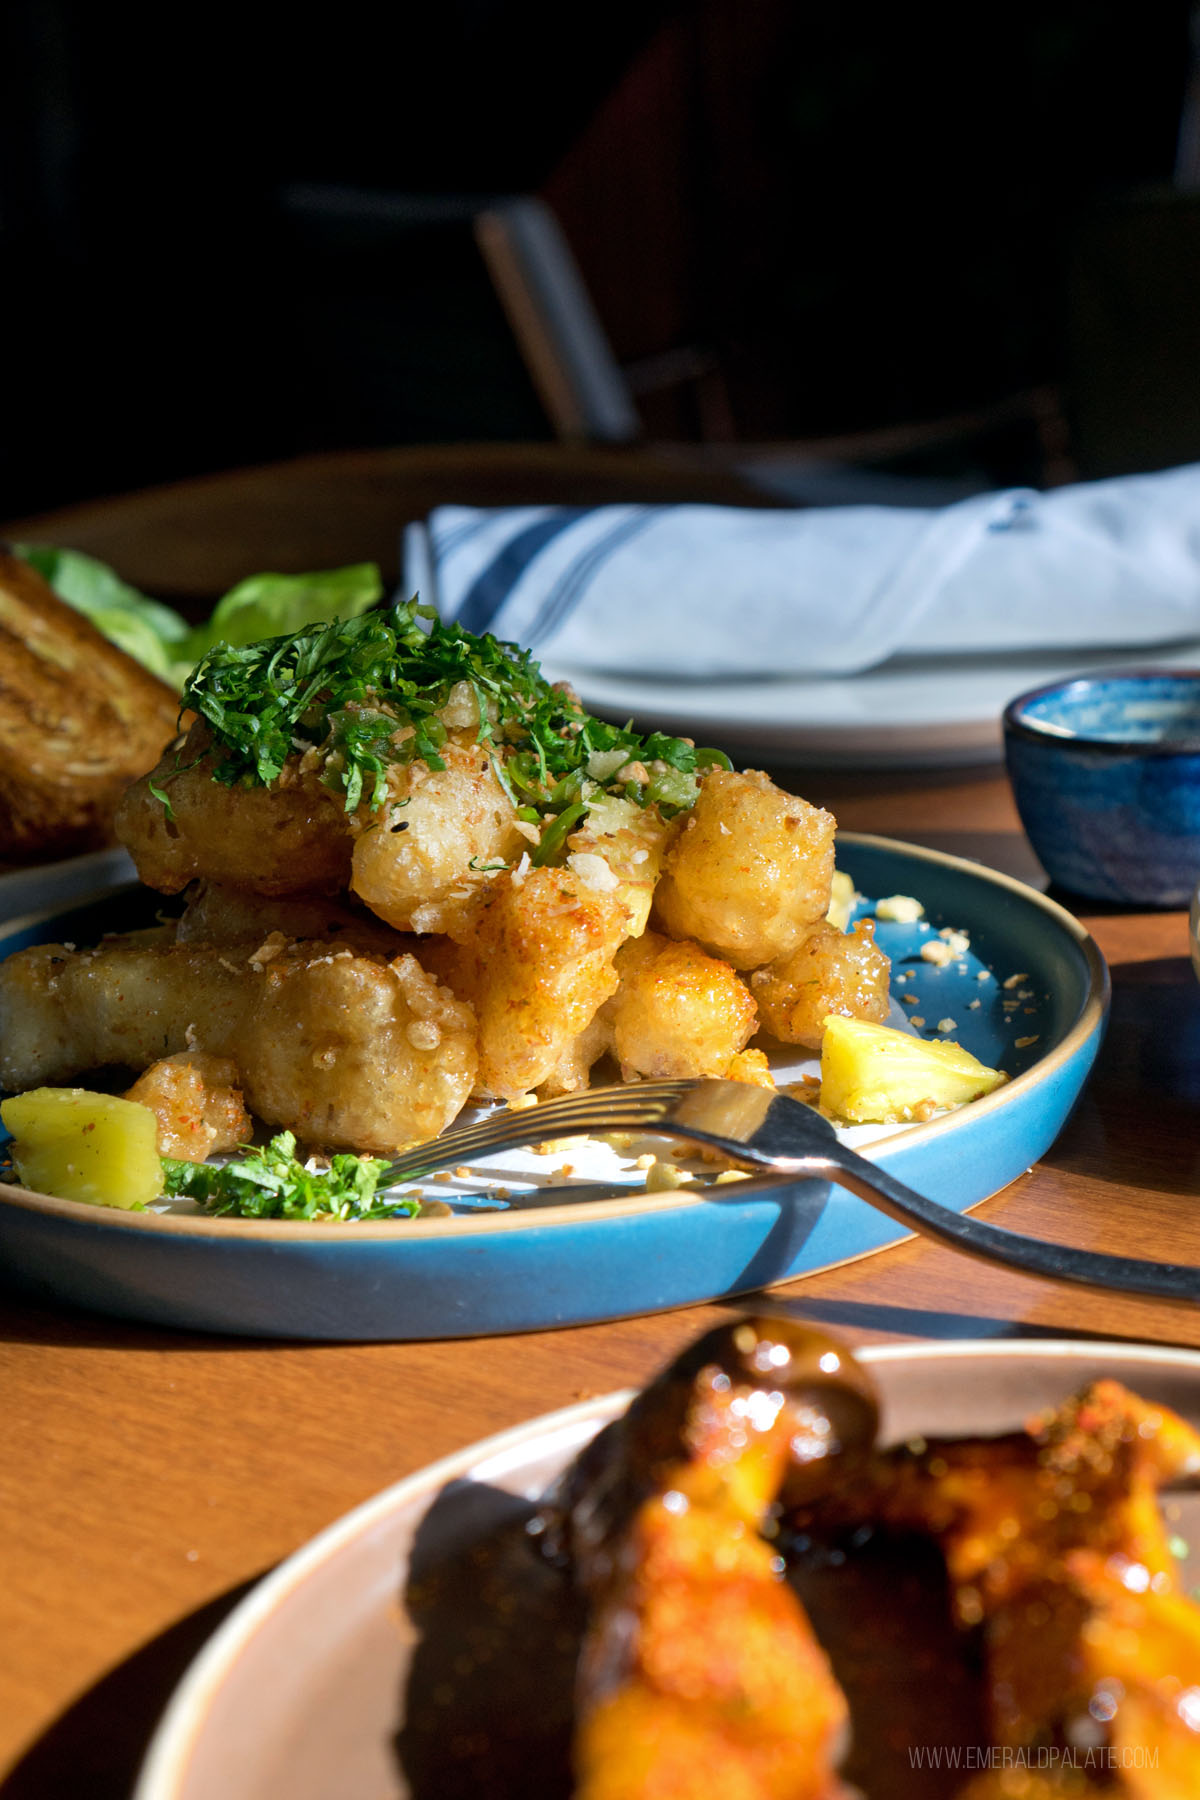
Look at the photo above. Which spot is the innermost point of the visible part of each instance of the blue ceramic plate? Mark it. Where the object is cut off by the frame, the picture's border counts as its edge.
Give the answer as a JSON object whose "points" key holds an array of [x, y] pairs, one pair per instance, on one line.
{"points": [[1040, 1016]]}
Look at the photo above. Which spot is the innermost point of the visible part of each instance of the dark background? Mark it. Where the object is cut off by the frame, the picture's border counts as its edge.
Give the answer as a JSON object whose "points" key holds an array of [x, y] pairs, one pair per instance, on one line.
{"points": [[975, 231]]}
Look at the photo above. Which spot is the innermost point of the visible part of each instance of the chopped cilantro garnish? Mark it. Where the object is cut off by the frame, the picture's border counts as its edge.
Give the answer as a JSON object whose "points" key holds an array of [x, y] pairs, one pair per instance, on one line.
{"points": [[553, 839], [272, 1184], [366, 692]]}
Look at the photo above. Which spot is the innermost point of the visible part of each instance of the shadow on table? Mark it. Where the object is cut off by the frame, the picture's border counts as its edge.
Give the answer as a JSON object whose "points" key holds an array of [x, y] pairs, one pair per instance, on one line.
{"points": [[905, 1321], [914, 1322], [32, 1314], [96, 1747], [1141, 1106]]}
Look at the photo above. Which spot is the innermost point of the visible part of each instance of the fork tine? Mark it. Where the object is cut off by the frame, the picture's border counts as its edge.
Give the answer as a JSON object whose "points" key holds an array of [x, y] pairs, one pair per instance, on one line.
{"points": [[627, 1107], [777, 1131], [642, 1104], [507, 1132]]}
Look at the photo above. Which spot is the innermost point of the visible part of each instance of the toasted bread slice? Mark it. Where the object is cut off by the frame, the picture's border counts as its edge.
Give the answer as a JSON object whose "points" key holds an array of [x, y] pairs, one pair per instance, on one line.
{"points": [[79, 720]]}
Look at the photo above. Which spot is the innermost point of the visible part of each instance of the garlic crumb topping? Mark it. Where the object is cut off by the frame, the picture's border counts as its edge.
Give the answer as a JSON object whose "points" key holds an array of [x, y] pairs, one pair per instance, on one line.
{"points": [[902, 909], [593, 871]]}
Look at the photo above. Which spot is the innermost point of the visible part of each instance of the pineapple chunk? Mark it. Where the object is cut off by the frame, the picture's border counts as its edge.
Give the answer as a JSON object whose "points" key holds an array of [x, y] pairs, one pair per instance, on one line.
{"points": [[841, 900], [82, 1146], [873, 1074]]}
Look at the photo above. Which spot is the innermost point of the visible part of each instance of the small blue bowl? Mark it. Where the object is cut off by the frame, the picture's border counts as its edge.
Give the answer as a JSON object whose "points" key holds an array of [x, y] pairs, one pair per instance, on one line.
{"points": [[1105, 770]]}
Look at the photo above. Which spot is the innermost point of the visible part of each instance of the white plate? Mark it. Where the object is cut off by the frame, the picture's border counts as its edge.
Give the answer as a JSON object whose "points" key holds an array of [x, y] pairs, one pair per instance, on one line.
{"points": [[936, 711], [366, 1666], [72, 878]]}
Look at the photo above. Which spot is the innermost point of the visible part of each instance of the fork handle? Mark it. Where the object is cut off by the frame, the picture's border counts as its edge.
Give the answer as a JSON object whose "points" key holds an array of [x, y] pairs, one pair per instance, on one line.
{"points": [[1178, 1284]]}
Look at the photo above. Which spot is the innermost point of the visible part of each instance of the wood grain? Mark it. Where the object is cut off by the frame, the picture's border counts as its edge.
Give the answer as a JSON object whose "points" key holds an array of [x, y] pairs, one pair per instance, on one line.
{"points": [[188, 542], [147, 1477]]}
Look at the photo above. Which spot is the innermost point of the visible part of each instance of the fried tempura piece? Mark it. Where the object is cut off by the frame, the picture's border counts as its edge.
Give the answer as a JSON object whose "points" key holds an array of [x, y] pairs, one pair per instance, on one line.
{"points": [[413, 857], [700, 1674], [536, 960], [678, 1012], [749, 873], [79, 720], [752, 1067], [363, 1055], [197, 1103], [218, 914], [579, 1056], [830, 971], [292, 837], [344, 1049]]}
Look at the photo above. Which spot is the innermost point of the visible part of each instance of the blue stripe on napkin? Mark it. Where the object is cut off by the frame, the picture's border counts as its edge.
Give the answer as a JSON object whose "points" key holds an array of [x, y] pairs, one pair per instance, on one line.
{"points": [[571, 585], [492, 586], [457, 535]]}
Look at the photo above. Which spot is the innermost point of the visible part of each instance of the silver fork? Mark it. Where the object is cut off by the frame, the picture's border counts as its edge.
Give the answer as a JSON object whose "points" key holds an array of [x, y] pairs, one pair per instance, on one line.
{"points": [[769, 1130]]}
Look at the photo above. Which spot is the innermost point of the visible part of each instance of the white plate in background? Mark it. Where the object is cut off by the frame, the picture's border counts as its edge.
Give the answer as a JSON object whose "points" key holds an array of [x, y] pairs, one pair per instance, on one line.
{"points": [[41, 885], [375, 1664], [919, 712]]}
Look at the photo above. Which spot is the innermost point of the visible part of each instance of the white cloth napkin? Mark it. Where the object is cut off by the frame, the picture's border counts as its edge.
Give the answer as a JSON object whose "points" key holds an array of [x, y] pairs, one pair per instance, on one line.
{"points": [[705, 591]]}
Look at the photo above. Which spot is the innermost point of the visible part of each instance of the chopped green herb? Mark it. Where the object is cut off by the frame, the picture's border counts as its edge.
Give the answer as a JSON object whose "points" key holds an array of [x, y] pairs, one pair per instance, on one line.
{"points": [[553, 839], [367, 692], [162, 798], [272, 1184]]}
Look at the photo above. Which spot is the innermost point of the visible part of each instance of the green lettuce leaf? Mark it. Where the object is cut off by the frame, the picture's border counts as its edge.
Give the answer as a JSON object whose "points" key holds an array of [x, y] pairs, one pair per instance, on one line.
{"points": [[267, 606], [145, 629], [262, 606]]}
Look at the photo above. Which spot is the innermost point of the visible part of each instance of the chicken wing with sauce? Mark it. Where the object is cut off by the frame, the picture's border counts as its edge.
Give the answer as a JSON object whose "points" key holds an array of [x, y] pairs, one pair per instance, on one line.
{"points": [[700, 1674], [1057, 1552]]}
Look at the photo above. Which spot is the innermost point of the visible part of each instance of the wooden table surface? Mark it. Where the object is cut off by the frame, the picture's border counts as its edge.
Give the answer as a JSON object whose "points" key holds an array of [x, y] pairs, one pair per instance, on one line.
{"points": [[147, 1477]]}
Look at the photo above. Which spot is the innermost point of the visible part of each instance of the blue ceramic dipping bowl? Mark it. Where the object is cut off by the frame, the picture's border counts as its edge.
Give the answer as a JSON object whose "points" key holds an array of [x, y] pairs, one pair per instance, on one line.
{"points": [[1105, 770]]}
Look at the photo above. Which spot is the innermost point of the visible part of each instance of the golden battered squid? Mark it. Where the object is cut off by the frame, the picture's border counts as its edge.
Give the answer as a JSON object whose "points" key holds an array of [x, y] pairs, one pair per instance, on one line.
{"points": [[829, 971], [750, 871], [198, 1105], [419, 857], [535, 959], [678, 1011], [344, 1048], [291, 837]]}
